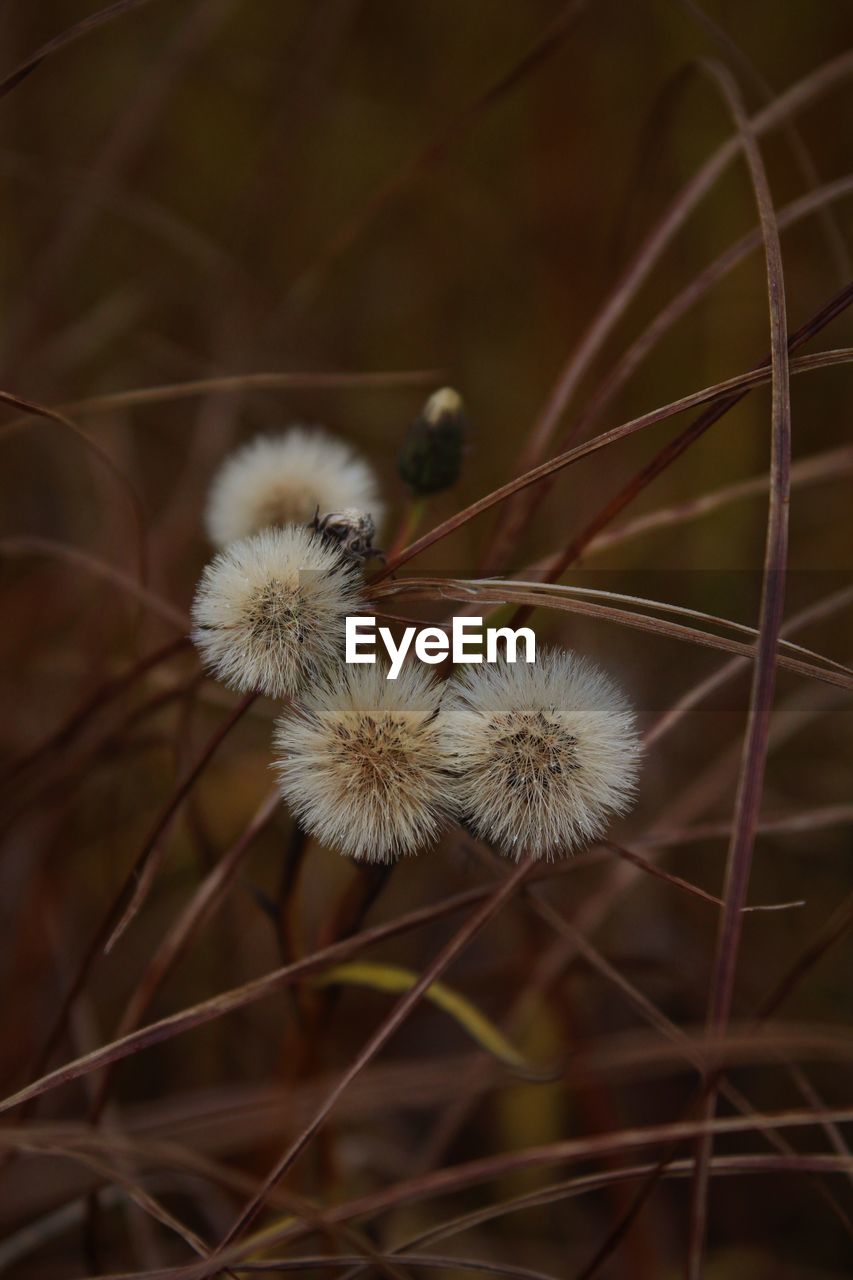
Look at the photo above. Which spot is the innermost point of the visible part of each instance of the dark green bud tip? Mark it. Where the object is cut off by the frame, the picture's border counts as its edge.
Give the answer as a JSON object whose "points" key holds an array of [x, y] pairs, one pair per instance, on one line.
{"points": [[431, 456]]}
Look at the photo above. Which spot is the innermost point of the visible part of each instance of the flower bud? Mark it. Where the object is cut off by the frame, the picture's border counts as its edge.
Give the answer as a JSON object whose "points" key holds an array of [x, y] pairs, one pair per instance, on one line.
{"points": [[431, 456]]}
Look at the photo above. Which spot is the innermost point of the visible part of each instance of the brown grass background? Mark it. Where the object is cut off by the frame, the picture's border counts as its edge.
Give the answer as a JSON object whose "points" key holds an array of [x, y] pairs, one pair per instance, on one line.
{"points": [[429, 193]]}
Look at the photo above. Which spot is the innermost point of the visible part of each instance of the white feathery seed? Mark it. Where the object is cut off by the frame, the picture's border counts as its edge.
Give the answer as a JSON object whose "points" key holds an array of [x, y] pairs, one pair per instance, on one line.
{"points": [[269, 611], [543, 753], [285, 479], [360, 762]]}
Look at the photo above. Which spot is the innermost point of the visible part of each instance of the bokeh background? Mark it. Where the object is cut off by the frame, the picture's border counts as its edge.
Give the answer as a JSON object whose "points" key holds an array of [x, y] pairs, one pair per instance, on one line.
{"points": [[429, 192]]}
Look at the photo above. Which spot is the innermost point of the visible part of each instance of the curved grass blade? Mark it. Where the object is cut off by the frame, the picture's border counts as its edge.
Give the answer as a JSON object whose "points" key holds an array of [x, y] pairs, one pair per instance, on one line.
{"points": [[393, 979]]}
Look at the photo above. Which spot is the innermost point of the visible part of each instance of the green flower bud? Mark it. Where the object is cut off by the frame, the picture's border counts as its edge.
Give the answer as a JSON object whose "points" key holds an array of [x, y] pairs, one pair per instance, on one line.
{"points": [[431, 456]]}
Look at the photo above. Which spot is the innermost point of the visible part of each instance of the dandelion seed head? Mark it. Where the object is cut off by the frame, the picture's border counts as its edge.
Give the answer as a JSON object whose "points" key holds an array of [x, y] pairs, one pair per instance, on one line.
{"points": [[360, 762], [269, 611], [543, 753], [285, 479]]}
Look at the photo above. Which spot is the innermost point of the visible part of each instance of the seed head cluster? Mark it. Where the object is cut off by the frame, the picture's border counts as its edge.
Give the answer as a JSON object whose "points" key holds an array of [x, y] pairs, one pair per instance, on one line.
{"points": [[534, 759]]}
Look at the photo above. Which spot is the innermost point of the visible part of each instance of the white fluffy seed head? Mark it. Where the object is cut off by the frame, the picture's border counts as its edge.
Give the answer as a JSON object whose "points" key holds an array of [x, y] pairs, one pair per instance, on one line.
{"points": [[543, 753], [360, 762], [269, 611], [285, 479]]}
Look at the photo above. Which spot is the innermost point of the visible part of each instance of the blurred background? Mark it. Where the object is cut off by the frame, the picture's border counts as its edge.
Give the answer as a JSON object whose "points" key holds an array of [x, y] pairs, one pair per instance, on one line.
{"points": [[428, 193]]}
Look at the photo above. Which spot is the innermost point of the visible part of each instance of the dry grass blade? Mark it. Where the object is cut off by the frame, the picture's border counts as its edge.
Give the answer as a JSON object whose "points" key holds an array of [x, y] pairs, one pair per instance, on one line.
{"points": [[112, 1175], [148, 862], [751, 781], [506, 593], [398, 1015], [562, 591], [20, 1244], [32, 410], [821, 468], [723, 1166], [727, 393], [647, 1009], [676, 447], [807, 820], [785, 105], [131, 894], [346, 1234], [177, 938], [231, 384], [396, 980], [810, 1095], [666, 319], [311, 1262], [455, 1178], [238, 1051], [650, 1012], [823, 608], [422, 1262], [800, 153], [834, 930], [543, 48], [678, 882], [442, 1181], [106, 693], [191, 242], [102, 1151], [237, 998], [662, 460], [66, 38], [34, 546]]}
